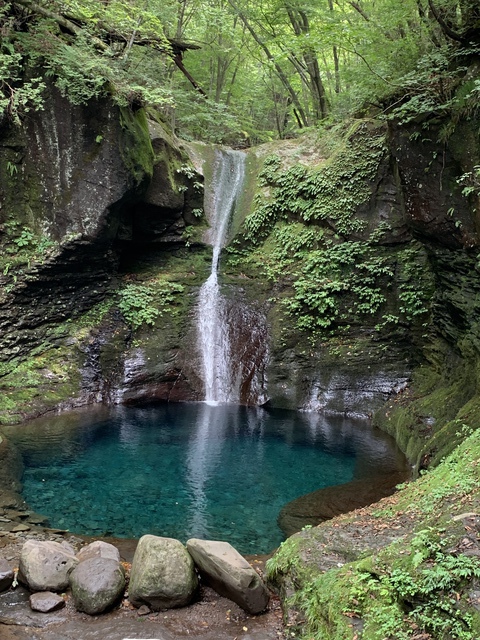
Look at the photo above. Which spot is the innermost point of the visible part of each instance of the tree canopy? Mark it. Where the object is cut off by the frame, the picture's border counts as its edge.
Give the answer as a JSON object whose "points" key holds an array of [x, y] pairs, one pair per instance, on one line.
{"points": [[237, 71]]}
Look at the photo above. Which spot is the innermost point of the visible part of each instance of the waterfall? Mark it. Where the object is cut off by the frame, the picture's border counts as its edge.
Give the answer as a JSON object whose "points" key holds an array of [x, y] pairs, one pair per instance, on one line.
{"points": [[213, 335]]}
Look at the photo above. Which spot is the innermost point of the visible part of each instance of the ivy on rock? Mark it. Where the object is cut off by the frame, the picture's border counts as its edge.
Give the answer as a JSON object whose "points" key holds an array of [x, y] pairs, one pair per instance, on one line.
{"points": [[305, 235]]}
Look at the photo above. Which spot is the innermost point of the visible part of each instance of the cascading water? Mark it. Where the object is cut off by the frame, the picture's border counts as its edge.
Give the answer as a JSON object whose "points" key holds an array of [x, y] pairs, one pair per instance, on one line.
{"points": [[229, 172]]}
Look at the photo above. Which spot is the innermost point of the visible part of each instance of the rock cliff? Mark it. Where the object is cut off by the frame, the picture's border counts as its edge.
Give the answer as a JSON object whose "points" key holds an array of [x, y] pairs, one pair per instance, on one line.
{"points": [[353, 262]]}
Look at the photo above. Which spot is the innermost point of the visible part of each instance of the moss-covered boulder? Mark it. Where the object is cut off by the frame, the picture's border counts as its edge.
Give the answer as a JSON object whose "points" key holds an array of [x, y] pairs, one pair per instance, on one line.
{"points": [[162, 575]]}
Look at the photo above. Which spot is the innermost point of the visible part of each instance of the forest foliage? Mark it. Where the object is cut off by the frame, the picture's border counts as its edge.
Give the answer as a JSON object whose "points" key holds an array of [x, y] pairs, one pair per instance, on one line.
{"points": [[238, 71]]}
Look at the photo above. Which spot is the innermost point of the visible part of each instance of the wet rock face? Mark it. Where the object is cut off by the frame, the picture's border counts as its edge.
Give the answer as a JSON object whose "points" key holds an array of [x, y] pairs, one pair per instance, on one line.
{"points": [[165, 208], [353, 385], [75, 155], [434, 206], [250, 344], [71, 177], [66, 287]]}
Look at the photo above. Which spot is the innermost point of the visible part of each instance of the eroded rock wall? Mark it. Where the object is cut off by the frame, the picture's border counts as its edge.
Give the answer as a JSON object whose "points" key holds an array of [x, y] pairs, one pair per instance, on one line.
{"points": [[102, 259], [77, 200]]}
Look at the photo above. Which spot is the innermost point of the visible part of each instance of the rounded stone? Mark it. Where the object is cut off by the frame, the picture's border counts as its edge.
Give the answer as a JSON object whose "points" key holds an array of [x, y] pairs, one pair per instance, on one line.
{"points": [[46, 601], [46, 565], [162, 575], [97, 584], [223, 568]]}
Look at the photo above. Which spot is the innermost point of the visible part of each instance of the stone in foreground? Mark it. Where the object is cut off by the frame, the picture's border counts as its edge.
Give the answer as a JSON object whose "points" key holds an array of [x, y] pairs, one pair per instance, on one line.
{"points": [[46, 565], [98, 549], [97, 584], [6, 576], [163, 574], [46, 601], [226, 571]]}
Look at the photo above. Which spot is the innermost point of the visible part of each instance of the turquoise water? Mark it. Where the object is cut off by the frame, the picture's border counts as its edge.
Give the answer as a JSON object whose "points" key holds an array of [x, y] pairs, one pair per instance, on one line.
{"points": [[190, 470]]}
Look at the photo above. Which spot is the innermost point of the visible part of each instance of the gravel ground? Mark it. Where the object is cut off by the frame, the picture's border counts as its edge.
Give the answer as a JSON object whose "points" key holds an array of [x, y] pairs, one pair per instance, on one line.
{"points": [[211, 617]]}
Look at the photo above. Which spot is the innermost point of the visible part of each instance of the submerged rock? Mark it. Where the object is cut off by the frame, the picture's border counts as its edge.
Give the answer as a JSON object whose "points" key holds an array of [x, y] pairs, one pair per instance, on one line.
{"points": [[226, 571], [162, 575], [97, 584], [11, 468], [46, 565], [324, 504]]}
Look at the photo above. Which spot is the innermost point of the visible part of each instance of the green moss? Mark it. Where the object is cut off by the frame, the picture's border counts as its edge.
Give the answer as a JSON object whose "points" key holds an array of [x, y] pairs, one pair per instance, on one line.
{"points": [[420, 583], [333, 192], [428, 421], [135, 146], [49, 376]]}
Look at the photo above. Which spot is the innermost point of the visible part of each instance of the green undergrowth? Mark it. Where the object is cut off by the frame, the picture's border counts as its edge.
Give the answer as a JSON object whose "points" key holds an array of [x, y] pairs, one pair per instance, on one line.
{"points": [[143, 303], [421, 583], [332, 192], [158, 285], [328, 284], [307, 237], [455, 96]]}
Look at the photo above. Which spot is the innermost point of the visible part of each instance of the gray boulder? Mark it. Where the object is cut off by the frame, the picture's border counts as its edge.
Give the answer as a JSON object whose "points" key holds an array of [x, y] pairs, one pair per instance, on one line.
{"points": [[98, 549], [226, 571], [6, 576], [46, 601], [163, 575], [46, 565], [97, 584]]}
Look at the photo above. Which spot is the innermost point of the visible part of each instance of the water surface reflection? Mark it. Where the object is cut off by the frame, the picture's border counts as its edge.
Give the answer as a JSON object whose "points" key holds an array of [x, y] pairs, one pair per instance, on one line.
{"points": [[191, 470]]}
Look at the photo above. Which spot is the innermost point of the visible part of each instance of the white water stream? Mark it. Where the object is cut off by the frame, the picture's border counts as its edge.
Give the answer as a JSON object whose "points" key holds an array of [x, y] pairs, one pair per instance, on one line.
{"points": [[229, 172]]}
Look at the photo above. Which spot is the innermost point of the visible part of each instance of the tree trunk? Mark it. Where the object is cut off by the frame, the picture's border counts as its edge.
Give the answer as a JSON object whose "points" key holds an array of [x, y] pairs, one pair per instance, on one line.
{"points": [[301, 27], [300, 113], [336, 63]]}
